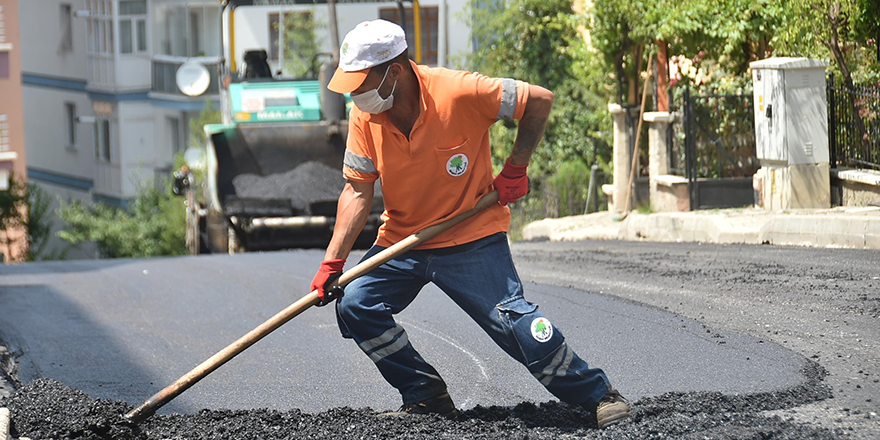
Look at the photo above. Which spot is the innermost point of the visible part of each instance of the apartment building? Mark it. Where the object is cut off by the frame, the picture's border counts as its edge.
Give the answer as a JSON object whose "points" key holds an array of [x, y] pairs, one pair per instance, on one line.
{"points": [[102, 114]]}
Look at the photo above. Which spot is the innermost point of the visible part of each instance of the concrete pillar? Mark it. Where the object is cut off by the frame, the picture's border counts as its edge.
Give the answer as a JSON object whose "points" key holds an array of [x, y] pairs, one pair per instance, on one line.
{"points": [[621, 159], [658, 152]]}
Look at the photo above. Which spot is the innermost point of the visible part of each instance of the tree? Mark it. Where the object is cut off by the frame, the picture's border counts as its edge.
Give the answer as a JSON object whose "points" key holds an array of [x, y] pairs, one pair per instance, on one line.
{"points": [[210, 114], [537, 41], [24, 207], [300, 49], [12, 211], [38, 225]]}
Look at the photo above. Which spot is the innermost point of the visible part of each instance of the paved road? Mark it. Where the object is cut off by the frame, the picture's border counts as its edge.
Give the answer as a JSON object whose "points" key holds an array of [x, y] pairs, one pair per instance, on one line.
{"points": [[123, 329], [821, 303]]}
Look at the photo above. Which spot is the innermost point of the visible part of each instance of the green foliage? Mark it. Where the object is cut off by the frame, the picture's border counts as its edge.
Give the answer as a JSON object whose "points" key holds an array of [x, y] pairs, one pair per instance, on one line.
{"points": [[524, 211], [25, 207], [812, 25], [569, 185], [152, 225], [12, 207], [210, 114], [537, 41], [300, 49], [38, 224]]}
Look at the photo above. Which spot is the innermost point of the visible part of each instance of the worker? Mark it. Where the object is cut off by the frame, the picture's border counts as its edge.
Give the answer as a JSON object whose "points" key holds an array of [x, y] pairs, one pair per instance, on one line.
{"points": [[424, 132]]}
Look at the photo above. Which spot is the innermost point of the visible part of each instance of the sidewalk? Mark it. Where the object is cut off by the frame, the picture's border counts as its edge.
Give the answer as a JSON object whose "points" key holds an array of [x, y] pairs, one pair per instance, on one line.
{"points": [[844, 227]]}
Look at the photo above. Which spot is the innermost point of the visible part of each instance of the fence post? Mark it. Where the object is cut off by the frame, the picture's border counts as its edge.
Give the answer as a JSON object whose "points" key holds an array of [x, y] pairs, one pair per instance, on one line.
{"points": [[622, 158], [591, 192], [832, 123], [690, 148]]}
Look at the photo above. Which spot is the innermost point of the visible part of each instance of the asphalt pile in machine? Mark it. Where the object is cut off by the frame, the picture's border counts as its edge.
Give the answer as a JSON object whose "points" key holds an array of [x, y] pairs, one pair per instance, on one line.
{"points": [[304, 185], [47, 409]]}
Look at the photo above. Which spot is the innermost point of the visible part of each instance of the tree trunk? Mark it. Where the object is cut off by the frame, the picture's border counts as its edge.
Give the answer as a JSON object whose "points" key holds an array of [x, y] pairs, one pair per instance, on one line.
{"points": [[662, 76], [838, 21]]}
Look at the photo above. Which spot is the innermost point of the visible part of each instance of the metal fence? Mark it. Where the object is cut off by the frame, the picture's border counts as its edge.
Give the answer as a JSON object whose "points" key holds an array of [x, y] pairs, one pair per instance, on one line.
{"points": [[853, 125], [712, 143]]}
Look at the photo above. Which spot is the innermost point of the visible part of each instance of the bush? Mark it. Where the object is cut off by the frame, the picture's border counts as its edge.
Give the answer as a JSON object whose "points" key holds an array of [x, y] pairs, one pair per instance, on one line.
{"points": [[568, 186], [154, 224]]}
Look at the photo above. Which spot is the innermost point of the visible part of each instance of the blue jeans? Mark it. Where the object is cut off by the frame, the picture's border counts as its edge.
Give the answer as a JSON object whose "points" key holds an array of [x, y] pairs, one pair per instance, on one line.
{"points": [[481, 279]]}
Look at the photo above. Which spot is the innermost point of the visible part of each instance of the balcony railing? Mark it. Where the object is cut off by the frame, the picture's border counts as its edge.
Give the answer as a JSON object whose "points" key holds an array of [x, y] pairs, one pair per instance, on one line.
{"points": [[165, 74]]}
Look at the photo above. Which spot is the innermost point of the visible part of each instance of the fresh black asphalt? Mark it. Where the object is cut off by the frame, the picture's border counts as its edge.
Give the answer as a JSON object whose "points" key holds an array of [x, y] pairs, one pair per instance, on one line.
{"points": [[123, 329]]}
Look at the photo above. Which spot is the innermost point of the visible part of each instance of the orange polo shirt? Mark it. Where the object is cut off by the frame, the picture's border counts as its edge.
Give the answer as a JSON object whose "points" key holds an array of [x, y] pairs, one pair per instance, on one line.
{"points": [[446, 165]]}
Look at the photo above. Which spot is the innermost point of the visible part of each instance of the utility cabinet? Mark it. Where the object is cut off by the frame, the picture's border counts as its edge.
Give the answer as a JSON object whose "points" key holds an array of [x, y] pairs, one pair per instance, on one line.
{"points": [[791, 133]]}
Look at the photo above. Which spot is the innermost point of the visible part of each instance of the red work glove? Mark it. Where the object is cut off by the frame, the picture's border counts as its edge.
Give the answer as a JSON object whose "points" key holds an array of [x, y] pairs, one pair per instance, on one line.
{"points": [[512, 182], [329, 271]]}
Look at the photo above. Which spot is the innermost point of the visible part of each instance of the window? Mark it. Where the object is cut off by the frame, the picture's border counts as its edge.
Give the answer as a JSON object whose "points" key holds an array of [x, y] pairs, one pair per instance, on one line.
{"points": [[186, 30], [132, 7], [100, 27], [174, 134], [4, 133], [4, 64], [102, 140], [274, 36], [70, 109], [66, 43], [142, 35], [430, 30], [125, 37], [292, 42], [105, 140], [132, 26]]}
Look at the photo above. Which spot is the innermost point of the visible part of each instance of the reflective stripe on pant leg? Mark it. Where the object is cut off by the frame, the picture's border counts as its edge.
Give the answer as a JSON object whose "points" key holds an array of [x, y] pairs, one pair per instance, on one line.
{"points": [[557, 367], [388, 343], [549, 358]]}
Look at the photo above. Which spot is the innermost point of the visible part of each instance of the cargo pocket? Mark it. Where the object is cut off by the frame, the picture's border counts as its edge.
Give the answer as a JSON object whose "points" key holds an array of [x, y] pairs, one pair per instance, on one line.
{"points": [[343, 327], [515, 315]]}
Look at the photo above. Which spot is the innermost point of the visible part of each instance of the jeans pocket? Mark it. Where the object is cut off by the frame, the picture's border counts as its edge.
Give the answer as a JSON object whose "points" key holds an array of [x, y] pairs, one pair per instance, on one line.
{"points": [[515, 315]]}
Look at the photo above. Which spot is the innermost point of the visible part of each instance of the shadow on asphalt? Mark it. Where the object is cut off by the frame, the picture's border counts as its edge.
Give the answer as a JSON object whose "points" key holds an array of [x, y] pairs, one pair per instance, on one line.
{"points": [[67, 331]]}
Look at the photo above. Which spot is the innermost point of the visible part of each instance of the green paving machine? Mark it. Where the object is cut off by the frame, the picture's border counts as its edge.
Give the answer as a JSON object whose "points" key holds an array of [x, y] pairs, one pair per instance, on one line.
{"points": [[273, 169]]}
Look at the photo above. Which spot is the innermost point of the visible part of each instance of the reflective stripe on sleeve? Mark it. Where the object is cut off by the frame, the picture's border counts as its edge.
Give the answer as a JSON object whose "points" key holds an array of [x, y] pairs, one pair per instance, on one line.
{"points": [[508, 99], [360, 164]]}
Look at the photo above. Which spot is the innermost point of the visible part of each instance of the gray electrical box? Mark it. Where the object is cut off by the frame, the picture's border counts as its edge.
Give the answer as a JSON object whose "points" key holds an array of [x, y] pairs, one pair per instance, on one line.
{"points": [[791, 132]]}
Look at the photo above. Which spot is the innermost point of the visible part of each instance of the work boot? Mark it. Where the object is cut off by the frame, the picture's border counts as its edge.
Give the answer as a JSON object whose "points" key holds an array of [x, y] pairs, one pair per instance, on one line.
{"points": [[441, 405], [612, 408]]}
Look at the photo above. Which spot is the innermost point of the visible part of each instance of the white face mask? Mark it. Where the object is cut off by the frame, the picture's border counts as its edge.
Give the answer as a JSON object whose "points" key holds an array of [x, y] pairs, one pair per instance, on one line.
{"points": [[371, 102]]}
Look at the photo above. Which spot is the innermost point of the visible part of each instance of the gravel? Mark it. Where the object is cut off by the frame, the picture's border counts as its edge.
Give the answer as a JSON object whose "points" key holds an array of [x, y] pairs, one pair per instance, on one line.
{"points": [[46, 408], [308, 183]]}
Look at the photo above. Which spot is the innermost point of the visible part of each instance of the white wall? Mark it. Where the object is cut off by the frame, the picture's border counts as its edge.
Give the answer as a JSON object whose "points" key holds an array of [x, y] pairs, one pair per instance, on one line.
{"points": [[137, 145], [40, 24], [45, 127], [252, 24], [134, 73]]}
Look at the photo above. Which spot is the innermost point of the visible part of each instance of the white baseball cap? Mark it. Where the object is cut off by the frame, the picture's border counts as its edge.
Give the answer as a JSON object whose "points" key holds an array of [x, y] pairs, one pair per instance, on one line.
{"points": [[369, 44]]}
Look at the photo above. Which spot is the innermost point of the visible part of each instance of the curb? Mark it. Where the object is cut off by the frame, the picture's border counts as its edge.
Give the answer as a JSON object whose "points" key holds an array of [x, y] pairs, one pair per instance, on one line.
{"points": [[855, 228]]}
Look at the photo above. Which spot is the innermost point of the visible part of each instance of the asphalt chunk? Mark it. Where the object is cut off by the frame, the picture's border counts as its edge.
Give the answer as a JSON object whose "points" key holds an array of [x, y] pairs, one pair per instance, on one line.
{"points": [[308, 183], [45, 409]]}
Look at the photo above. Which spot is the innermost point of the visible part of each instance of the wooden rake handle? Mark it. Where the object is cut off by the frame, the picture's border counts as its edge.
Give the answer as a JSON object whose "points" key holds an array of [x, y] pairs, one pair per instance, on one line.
{"points": [[151, 405]]}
